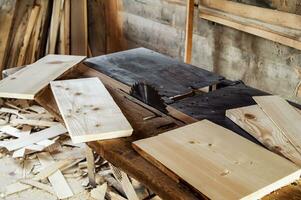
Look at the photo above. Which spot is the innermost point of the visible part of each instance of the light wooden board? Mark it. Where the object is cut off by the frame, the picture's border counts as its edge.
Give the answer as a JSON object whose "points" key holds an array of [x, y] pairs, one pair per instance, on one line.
{"points": [[57, 180], [34, 137], [253, 120], [28, 81], [219, 163], [89, 111], [284, 116]]}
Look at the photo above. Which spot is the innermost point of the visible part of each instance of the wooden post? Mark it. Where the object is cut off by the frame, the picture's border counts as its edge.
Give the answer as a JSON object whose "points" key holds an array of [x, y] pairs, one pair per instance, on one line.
{"points": [[189, 30]]}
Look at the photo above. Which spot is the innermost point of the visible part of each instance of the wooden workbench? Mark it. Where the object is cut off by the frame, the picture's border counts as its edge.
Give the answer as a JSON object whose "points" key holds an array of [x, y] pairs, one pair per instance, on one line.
{"points": [[119, 71]]}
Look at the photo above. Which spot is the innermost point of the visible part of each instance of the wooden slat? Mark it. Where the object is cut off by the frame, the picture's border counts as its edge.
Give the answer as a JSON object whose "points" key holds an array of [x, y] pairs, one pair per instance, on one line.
{"points": [[89, 111], [27, 82], [284, 116], [219, 163], [57, 10], [251, 29], [253, 120], [57, 180], [34, 137], [189, 30], [79, 28], [254, 12], [28, 33]]}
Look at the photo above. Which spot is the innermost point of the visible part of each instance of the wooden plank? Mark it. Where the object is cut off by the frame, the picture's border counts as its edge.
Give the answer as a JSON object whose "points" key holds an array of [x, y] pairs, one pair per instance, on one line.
{"points": [[253, 120], [99, 192], [284, 116], [34, 137], [57, 180], [79, 28], [57, 9], [229, 166], [89, 111], [252, 29], [64, 47], [189, 30], [28, 34], [254, 12], [7, 10], [36, 76]]}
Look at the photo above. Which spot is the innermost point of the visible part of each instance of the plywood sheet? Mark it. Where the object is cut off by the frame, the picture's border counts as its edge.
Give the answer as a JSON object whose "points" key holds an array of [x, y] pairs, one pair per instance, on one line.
{"points": [[219, 163], [284, 116], [28, 81], [89, 111]]}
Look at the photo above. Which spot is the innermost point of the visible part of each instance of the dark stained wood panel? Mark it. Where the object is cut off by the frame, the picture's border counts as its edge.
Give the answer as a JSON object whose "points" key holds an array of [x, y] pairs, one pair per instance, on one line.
{"points": [[169, 76], [213, 105]]}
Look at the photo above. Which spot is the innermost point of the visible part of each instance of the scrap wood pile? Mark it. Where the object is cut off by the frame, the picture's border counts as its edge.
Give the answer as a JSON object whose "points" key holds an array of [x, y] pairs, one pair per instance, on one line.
{"points": [[32, 29], [47, 157]]}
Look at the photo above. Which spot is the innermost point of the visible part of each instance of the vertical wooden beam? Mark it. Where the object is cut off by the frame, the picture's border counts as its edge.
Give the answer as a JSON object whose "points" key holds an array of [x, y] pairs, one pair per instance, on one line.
{"points": [[79, 28], [189, 30]]}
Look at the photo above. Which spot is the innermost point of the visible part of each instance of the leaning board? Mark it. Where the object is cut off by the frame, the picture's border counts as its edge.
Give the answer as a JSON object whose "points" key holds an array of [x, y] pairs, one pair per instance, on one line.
{"points": [[219, 163], [89, 111], [28, 81]]}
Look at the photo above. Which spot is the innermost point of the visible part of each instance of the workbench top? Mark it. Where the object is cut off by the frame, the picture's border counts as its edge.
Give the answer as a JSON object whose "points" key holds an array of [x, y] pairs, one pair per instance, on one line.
{"points": [[200, 105]]}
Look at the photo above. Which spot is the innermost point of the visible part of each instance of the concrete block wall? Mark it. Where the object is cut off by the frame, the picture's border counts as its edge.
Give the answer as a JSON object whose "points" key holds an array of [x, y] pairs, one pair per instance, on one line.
{"points": [[260, 63]]}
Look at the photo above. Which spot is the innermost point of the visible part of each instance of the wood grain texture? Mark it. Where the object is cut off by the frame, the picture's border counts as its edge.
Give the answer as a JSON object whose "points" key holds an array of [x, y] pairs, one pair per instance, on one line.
{"points": [[253, 120], [284, 116], [89, 111], [28, 81], [254, 12], [79, 28], [189, 30], [251, 29], [7, 9], [229, 166]]}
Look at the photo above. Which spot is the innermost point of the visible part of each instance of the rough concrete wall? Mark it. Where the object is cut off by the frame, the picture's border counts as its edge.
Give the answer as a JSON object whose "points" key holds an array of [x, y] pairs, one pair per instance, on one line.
{"points": [[260, 63]]}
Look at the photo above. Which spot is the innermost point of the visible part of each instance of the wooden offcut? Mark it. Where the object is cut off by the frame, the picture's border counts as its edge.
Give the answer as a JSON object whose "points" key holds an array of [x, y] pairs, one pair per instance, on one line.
{"points": [[219, 163], [284, 116], [28, 81], [89, 111], [253, 120]]}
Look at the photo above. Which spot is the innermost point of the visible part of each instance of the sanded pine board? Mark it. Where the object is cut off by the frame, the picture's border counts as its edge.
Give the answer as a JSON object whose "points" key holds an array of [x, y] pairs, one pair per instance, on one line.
{"points": [[219, 163], [28, 81], [253, 120], [89, 111], [284, 116]]}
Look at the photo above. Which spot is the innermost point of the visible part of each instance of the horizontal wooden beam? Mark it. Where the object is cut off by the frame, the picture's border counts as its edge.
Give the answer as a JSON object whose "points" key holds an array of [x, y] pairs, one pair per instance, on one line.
{"points": [[250, 28], [266, 15]]}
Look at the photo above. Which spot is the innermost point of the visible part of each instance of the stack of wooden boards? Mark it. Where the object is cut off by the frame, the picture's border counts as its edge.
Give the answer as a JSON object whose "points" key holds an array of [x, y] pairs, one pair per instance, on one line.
{"points": [[32, 29], [274, 123], [88, 110], [217, 162]]}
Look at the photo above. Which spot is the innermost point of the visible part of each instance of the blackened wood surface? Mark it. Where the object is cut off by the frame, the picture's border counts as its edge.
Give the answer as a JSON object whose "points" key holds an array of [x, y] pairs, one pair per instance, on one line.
{"points": [[169, 76], [213, 105]]}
